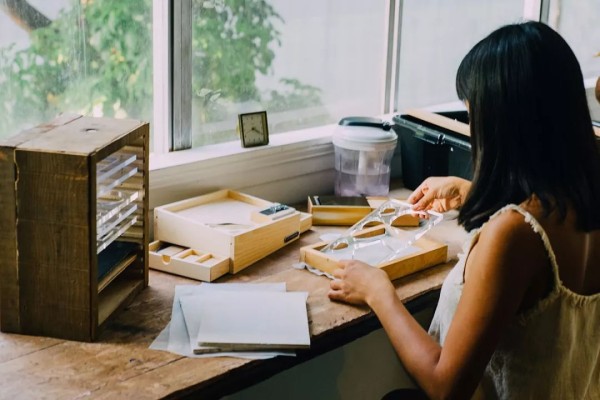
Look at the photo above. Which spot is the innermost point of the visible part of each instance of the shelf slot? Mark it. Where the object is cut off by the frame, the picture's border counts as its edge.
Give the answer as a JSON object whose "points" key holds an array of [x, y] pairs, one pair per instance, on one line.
{"points": [[115, 271], [105, 186], [116, 294], [113, 203], [105, 229], [113, 164], [111, 237]]}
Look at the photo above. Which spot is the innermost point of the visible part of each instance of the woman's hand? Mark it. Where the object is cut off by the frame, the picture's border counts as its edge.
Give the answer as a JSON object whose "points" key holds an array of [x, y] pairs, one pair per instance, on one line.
{"points": [[440, 194], [359, 283]]}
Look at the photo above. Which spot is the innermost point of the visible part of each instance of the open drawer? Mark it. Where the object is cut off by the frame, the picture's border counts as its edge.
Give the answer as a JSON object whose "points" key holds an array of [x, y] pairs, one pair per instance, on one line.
{"points": [[184, 261]]}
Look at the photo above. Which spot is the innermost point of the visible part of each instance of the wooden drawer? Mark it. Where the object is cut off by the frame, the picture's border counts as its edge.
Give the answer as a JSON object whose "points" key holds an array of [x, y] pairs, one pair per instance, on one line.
{"points": [[186, 262]]}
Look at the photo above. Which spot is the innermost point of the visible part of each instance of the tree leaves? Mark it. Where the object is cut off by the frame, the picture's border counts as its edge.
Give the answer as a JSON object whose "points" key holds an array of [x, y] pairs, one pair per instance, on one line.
{"points": [[96, 58]]}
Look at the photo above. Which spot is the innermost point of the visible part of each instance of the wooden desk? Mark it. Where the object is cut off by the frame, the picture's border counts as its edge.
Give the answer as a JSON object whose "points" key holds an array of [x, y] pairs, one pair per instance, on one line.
{"points": [[120, 365]]}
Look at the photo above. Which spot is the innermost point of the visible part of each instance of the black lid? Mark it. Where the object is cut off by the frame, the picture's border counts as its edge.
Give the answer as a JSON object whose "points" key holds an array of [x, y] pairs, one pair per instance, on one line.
{"points": [[365, 121]]}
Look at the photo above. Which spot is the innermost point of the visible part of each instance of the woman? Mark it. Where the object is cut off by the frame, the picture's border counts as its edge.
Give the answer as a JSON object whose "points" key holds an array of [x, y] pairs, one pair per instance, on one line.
{"points": [[519, 315]]}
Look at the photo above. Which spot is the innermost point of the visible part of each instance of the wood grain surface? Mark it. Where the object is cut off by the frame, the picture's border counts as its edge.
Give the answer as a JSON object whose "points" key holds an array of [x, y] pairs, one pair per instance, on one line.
{"points": [[120, 365], [48, 269]]}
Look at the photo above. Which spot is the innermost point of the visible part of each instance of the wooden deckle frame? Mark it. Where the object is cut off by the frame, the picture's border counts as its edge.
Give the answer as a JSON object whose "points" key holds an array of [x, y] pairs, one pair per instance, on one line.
{"points": [[431, 253]]}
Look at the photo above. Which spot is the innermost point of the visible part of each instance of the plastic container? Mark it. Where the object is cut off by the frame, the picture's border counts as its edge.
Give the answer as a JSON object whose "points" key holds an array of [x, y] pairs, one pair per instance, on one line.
{"points": [[363, 153]]}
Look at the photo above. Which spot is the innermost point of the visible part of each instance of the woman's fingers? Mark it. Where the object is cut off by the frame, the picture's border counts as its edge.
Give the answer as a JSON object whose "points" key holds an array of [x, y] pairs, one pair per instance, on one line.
{"points": [[425, 201], [338, 273], [335, 289], [335, 284], [417, 194], [336, 295]]}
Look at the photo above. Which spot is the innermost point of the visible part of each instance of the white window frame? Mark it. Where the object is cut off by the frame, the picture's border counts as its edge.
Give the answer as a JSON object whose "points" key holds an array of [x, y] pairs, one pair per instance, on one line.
{"points": [[292, 166]]}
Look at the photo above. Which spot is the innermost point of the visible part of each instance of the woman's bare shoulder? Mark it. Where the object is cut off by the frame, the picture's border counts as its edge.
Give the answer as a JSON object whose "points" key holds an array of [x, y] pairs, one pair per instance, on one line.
{"points": [[507, 243], [509, 228]]}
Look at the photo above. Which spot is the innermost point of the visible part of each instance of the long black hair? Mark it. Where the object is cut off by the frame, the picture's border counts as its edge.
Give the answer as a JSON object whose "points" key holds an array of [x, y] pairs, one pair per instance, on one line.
{"points": [[531, 131]]}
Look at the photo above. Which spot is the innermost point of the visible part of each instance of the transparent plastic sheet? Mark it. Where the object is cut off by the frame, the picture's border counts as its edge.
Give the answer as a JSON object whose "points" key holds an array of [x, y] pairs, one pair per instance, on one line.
{"points": [[374, 239]]}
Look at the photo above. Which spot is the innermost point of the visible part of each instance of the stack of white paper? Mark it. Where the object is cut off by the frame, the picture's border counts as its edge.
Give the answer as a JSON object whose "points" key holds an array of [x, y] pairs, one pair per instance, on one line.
{"points": [[246, 320], [241, 320]]}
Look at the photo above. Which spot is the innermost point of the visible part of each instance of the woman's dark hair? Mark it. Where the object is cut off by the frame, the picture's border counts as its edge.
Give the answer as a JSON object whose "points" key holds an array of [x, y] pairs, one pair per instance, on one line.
{"points": [[531, 131]]}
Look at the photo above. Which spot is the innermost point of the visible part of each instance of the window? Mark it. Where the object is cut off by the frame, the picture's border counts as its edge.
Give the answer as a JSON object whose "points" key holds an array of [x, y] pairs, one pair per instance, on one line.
{"points": [[307, 63], [435, 36], [577, 22], [88, 56]]}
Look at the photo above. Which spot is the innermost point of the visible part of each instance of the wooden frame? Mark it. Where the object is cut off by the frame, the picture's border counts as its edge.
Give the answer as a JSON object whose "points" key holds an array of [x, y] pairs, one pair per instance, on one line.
{"points": [[431, 253], [252, 238], [348, 215], [440, 120]]}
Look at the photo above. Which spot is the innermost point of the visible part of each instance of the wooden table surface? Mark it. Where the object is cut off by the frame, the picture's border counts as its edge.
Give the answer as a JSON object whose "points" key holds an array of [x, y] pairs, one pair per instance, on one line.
{"points": [[120, 365]]}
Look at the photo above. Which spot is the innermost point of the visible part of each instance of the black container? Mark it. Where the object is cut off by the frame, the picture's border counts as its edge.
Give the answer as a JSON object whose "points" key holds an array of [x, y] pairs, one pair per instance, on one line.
{"points": [[427, 149]]}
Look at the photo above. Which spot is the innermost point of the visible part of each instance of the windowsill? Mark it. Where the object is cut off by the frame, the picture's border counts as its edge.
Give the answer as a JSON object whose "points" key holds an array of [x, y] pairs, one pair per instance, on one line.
{"points": [[232, 151], [292, 166]]}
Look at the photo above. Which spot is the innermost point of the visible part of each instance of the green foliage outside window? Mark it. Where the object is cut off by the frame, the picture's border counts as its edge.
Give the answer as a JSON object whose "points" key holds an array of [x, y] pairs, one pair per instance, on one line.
{"points": [[97, 56], [94, 55]]}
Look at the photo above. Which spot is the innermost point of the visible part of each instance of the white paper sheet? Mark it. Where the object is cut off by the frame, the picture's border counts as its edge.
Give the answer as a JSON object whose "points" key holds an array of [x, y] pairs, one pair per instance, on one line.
{"points": [[175, 338], [241, 318]]}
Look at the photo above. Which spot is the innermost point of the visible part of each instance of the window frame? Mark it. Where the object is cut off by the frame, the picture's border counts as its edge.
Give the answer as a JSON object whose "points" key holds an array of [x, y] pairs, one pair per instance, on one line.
{"points": [[294, 165], [172, 47], [174, 21]]}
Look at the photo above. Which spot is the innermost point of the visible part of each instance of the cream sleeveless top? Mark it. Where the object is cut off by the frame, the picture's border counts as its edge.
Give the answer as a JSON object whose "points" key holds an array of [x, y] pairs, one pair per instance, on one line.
{"points": [[551, 351]]}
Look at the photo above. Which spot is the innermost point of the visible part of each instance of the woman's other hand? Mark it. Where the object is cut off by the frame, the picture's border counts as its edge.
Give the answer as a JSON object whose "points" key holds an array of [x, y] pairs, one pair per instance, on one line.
{"points": [[440, 194], [358, 283]]}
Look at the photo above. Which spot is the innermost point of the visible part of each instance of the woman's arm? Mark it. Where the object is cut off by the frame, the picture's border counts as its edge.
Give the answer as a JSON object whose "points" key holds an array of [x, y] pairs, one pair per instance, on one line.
{"points": [[495, 286]]}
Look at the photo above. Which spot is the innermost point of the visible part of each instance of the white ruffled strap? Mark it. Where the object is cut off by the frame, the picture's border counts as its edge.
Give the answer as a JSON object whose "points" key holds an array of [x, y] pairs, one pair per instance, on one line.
{"points": [[537, 228]]}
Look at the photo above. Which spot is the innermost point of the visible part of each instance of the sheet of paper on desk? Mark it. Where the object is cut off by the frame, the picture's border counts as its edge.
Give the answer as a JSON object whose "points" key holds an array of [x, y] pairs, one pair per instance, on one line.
{"points": [[246, 320], [175, 338]]}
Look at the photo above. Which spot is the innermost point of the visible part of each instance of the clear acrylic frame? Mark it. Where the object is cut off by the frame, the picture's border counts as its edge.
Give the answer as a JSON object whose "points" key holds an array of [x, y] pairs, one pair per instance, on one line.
{"points": [[375, 238]]}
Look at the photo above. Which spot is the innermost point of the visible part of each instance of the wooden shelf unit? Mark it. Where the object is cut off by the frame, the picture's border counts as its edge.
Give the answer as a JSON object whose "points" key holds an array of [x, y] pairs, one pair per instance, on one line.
{"points": [[74, 212]]}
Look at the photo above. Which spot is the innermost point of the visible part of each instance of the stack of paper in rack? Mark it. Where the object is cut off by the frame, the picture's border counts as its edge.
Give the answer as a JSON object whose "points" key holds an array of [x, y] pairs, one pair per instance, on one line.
{"points": [[240, 320]]}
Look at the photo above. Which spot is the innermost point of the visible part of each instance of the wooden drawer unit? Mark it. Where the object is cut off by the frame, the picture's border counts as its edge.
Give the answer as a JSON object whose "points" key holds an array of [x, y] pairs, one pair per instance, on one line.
{"points": [[229, 224], [74, 217]]}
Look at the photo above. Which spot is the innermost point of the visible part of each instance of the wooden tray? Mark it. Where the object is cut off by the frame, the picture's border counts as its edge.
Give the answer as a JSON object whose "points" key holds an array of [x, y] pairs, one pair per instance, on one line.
{"points": [[229, 224], [429, 253], [341, 212], [186, 262]]}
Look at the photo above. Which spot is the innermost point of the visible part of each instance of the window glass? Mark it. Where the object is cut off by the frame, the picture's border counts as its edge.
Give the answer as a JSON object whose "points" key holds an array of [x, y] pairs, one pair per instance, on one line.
{"points": [[578, 22], [91, 57], [307, 63], [435, 36]]}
